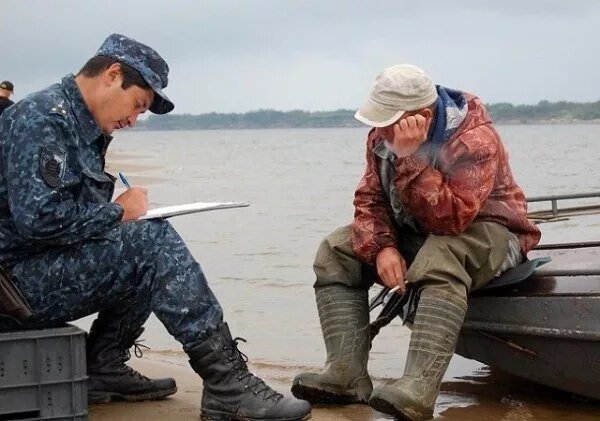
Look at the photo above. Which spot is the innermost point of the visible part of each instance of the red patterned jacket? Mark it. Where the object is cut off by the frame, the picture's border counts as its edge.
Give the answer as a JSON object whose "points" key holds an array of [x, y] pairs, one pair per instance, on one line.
{"points": [[471, 179]]}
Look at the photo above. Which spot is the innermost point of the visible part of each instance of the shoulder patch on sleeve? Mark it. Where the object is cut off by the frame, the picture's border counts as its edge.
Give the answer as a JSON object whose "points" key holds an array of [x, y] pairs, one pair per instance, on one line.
{"points": [[58, 109], [53, 162]]}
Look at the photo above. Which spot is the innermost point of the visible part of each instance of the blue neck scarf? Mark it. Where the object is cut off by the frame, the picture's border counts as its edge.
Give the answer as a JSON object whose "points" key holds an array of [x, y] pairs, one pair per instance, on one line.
{"points": [[451, 111]]}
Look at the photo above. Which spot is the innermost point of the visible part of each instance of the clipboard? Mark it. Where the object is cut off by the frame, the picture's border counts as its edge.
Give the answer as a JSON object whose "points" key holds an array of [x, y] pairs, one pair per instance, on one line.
{"points": [[169, 211]]}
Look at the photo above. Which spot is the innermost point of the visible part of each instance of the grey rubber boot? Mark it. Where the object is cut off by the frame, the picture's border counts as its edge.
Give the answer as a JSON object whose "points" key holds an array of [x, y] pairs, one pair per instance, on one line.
{"points": [[344, 316], [438, 321]]}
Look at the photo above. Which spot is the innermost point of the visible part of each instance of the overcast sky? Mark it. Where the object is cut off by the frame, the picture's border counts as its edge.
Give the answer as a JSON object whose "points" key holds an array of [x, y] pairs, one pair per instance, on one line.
{"points": [[236, 56]]}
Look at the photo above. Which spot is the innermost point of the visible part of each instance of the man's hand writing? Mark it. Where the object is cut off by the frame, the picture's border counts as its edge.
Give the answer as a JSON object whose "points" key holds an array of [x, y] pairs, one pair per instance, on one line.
{"points": [[135, 203]]}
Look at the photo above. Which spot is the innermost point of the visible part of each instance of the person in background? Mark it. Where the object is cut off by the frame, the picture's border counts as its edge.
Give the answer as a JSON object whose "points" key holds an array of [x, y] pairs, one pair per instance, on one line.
{"points": [[437, 214], [6, 90], [72, 251]]}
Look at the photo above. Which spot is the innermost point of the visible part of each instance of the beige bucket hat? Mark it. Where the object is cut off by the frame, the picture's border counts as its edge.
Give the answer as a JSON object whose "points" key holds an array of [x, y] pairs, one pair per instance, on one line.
{"points": [[396, 90]]}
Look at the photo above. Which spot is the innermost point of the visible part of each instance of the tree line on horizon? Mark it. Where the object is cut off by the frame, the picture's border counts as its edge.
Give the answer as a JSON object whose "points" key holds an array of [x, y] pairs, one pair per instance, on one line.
{"points": [[542, 112]]}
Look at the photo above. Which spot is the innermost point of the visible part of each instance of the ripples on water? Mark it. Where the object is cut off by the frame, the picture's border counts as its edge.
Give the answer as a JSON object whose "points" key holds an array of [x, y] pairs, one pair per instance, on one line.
{"points": [[300, 184]]}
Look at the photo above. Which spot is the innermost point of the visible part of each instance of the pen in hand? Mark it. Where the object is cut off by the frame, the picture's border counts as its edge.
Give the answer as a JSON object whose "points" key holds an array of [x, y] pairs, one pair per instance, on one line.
{"points": [[134, 200], [124, 180]]}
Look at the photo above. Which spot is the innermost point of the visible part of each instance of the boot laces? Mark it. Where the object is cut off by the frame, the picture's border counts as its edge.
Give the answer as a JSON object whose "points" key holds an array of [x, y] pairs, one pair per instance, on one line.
{"points": [[137, 346], [137, 350], [251, 382]]}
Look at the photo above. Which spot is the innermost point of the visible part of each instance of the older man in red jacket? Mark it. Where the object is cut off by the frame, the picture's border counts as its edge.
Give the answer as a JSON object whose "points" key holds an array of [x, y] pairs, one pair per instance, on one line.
{"points": [[437, 210]]}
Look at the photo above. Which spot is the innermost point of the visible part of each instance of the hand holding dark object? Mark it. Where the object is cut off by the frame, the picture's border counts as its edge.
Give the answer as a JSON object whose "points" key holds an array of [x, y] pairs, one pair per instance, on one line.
{"points": [[391, 268]]}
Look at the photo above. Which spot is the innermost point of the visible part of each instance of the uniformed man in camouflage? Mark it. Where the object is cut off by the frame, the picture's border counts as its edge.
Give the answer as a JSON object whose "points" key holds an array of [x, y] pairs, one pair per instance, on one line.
{"points": [[73, 252]]}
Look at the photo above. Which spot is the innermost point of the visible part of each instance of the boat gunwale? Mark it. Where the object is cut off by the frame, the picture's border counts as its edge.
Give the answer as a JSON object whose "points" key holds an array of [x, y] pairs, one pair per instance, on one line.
{"points": [[524, 330]]}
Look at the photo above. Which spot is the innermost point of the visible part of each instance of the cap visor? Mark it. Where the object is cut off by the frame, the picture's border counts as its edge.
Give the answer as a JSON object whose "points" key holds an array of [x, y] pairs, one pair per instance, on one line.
{"points": [[161, 104], [376, 116]]}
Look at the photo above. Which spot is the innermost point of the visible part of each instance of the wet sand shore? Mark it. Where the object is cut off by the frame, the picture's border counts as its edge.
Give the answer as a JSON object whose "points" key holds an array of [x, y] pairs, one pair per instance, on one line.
{"points": [[498, 397], [185, 404]]}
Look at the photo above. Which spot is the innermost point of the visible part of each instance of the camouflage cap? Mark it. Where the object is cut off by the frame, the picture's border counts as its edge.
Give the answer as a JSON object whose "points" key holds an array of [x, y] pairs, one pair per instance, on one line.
{"points": [[146, 61]]}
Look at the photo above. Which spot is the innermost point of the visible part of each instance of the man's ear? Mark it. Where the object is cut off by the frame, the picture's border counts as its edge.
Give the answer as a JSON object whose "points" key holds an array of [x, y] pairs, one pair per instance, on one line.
{"points": [[113, 73], [426, 112]]}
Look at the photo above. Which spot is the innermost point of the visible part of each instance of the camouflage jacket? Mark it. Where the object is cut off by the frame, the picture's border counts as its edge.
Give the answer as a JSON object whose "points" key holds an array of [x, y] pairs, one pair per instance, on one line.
{"points": [[470, 178], [53, 188]]}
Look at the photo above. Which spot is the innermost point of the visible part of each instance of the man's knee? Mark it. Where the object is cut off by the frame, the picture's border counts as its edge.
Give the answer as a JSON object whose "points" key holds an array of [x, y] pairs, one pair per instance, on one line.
{"points": [[150, 228], [440, 265], [335, 262], [153, 235], [462, 262]]}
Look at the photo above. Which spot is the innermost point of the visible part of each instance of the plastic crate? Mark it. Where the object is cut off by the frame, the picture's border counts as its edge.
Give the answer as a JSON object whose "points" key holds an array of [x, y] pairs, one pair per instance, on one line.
{"points": [[43, 375]]}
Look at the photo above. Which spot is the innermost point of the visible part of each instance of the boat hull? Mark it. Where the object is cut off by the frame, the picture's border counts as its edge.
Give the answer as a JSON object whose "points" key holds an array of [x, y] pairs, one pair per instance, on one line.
{"points": [[541, 331]]}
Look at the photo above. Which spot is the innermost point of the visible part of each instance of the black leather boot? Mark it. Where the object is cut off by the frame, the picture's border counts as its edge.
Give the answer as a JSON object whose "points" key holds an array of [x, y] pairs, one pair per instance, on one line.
{"points": [[109, 377], [231, 392]]}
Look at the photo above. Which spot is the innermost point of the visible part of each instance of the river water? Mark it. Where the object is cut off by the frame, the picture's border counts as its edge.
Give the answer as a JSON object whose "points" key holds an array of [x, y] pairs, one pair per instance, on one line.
{"points": [[300, 185]]}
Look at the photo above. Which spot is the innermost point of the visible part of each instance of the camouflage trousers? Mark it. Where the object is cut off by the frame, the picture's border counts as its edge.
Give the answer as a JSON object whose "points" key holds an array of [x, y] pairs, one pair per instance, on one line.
{"points": [[458, 264], [136, 269]]}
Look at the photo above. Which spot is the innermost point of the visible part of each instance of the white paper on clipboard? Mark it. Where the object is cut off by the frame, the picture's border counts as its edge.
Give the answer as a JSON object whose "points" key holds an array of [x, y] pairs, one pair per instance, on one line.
{"points": [[168, 211]]}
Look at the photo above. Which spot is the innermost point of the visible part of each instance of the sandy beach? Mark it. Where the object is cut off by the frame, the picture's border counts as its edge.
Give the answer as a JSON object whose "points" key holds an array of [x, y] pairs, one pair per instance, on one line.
{"points": [[499, 397], [185, 404]]}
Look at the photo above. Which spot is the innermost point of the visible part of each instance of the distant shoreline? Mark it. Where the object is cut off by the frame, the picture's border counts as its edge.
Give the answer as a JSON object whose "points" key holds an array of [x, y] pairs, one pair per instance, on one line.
{"points": [[502, 113], [546, 122], [143, 127]]}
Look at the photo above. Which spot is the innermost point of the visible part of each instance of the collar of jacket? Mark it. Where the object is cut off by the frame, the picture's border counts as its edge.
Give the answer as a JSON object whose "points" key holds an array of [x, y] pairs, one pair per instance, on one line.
{"points": [[88, 126], [382, 151]]}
